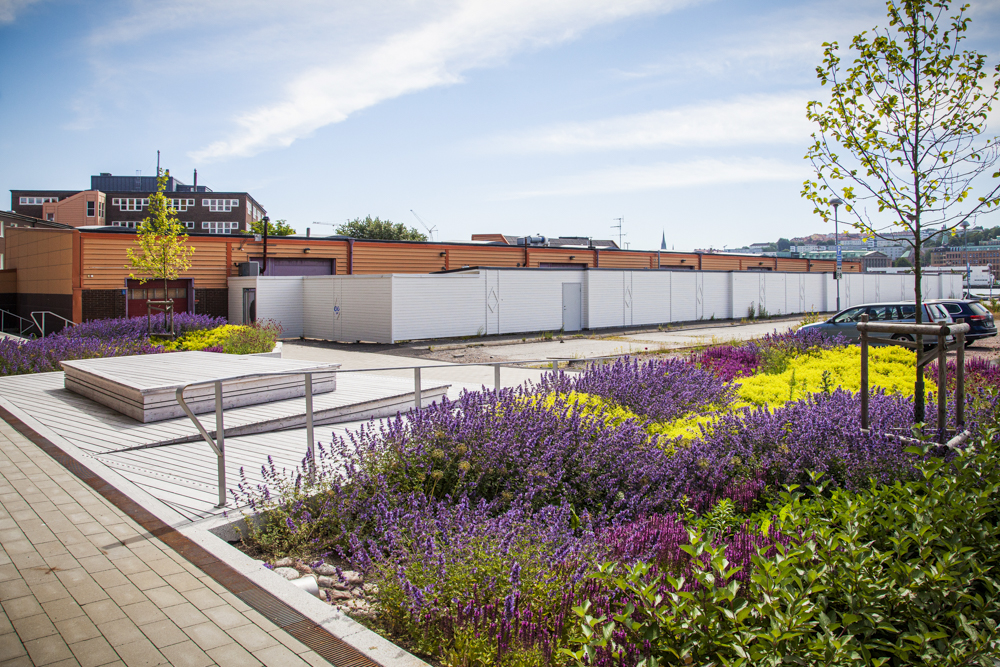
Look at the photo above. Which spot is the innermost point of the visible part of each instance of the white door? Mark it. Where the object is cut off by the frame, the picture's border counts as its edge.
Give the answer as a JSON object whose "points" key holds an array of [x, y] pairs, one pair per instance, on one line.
{"points": [[572, 307]]}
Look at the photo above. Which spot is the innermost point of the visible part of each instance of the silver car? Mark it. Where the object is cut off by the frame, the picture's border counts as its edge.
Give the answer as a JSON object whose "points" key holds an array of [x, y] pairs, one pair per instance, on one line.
{"points": [[845, 323]]}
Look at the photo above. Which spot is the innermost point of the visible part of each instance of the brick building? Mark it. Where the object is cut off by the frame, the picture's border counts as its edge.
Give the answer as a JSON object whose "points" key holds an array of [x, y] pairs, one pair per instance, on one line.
{"points": [[122, 201], [978, 255]]}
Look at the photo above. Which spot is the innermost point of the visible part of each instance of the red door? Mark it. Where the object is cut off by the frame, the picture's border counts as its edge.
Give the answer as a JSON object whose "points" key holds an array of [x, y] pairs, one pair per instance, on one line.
{"points": [[152, 290]]}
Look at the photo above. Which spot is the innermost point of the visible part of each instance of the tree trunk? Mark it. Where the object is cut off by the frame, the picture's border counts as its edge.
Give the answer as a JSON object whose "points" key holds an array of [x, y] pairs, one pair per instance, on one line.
{"points": [[918, 388]]}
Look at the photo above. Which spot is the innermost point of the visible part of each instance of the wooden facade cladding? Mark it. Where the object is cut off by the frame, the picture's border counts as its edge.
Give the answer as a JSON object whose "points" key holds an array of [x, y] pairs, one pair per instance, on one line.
{"points": [[243, 249], [460, 256], [105, 262], [43, 259], [372, 257]]}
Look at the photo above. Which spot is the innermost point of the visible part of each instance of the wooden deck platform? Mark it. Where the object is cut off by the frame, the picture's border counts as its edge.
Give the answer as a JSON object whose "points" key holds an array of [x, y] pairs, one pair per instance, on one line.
{"points": [[144, 386], [183, 475]]}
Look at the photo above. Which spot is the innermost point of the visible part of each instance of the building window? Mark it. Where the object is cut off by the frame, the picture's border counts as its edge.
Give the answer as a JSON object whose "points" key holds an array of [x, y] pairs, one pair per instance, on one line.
{"points": [[90, 209], [189, 224], [181, 204], [51, 217], [100, 210], [221, 205], [219, 227], [37, 201], [130, 204], [124, 223]]}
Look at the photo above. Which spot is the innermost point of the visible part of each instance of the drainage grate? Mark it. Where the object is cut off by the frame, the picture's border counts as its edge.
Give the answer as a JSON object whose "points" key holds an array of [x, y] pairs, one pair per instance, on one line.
{"points": [[334, 649]]}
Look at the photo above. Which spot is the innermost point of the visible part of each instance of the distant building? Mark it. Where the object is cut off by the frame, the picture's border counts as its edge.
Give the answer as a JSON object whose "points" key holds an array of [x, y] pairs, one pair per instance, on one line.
{"points": [[123, 201], [868, 258], [976, 255]]}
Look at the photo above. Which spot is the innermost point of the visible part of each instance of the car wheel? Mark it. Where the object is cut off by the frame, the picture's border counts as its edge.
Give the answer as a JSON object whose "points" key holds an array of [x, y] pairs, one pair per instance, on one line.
{"points": [[905, 337], [968, 343]]}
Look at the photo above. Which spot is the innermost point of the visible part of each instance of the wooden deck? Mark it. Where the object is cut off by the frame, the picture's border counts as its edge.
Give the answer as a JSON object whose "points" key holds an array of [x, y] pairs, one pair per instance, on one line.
{"points": [[183, 475], [144, 386]]}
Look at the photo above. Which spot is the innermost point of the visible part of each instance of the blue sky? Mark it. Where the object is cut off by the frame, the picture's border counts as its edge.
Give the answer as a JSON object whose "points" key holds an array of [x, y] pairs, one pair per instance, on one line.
{"points": [[521, 116]]}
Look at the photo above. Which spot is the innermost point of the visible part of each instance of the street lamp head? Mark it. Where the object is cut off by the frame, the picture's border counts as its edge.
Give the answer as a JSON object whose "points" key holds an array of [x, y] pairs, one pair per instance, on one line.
{"points": [[836, 201]]}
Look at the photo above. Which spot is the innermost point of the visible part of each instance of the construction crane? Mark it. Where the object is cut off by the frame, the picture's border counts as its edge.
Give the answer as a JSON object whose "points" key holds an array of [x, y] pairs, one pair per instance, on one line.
{"points": [[430, 230]]}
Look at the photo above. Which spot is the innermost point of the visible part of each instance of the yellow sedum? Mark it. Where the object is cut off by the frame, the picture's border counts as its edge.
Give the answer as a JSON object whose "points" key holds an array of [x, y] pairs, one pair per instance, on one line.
{"points": [[199, 340], [889, 368]]}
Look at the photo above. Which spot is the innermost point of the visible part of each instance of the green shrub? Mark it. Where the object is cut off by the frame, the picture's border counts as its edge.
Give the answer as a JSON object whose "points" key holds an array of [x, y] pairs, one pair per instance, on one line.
{"points": [[902, 574], [255, 339]]}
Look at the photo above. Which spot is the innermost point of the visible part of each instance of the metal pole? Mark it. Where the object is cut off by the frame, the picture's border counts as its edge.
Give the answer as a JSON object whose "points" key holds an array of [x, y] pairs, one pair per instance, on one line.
{"points": [[555, 365], [220, 442], [417, 403], [864, 377], [311, 440], [496, 376], [960, 382], [942, 386]]}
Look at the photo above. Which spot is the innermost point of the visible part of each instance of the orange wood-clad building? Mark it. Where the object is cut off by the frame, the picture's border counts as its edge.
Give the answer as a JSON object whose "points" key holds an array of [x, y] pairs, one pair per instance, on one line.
{"points": [[82, 273]]}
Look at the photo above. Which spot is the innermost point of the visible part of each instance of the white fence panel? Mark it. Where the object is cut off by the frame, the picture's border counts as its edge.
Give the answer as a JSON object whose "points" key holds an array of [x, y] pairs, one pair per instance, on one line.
{"points": [[774, 288], [279, 298]]}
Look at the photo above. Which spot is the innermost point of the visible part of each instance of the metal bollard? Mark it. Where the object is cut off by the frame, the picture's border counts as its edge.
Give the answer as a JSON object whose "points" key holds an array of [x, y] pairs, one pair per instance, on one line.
{"points": [[496, 376], [417, 402], [220, 443]]}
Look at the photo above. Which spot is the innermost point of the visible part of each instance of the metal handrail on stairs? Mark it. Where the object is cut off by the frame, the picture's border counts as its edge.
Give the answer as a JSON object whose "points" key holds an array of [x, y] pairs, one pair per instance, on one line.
{"points": [[4, 314], [218, 444], [43, 313], [25, 324]]}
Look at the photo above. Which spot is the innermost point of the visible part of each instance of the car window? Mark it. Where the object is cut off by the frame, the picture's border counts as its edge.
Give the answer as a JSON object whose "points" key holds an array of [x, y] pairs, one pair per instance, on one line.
{"points": [[883, 313], [953, 308], [936, 312], [851, 315], [908, 312], [979, 309]]}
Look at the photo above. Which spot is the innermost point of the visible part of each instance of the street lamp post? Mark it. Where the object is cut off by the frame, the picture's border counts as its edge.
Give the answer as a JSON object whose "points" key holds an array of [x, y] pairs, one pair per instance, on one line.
{"points": [[968, 263], [835, 203]]}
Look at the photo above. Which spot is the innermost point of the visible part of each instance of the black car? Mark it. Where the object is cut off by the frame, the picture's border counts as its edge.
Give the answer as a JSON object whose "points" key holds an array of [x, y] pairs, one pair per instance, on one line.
{"points": [[973, 313]]}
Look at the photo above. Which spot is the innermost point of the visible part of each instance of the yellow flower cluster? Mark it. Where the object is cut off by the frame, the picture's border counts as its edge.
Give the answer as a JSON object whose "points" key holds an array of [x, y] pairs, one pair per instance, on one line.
{"points": [[199, 340], [890, 368]]}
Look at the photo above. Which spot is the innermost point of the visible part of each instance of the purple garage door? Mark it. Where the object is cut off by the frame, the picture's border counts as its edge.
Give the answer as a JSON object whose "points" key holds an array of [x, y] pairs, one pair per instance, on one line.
{"points": [[283, 266]]}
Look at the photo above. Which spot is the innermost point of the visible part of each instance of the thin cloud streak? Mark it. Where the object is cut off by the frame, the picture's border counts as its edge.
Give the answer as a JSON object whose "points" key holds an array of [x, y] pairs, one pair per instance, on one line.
{"points": [[669, 175], [10, 8], [762, 119], [473, 34]]}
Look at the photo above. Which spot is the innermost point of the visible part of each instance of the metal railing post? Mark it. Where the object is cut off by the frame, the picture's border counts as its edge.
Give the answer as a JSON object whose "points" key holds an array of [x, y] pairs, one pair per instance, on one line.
{"points": [[220, 439], [555, 365], [417, 398], [496, 376], [310, 437]]}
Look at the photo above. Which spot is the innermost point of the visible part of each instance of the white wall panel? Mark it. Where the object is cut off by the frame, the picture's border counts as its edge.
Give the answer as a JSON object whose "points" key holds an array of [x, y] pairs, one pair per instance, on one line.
{"points": [[279, 298], [650, 297], [365, 309], [438, 306], [603, 305], [319, 300], [774, 287], [532, 301], [236, 286], [717, 296], [683, 297]]}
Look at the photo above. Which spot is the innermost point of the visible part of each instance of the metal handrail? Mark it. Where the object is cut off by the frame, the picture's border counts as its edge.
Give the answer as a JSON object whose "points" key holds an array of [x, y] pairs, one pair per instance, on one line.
{"points": [[218, 444], [43, 313], [21, 328]]}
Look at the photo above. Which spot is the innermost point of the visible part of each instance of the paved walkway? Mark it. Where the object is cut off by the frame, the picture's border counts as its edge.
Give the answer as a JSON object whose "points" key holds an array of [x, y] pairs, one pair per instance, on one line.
{"points": [[83, 584]]}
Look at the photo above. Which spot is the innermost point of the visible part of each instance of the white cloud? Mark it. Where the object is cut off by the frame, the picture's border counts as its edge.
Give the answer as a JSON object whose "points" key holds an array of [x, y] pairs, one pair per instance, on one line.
{"points": [[756, 119], [669, 175], [10, 8], [456, 37]]}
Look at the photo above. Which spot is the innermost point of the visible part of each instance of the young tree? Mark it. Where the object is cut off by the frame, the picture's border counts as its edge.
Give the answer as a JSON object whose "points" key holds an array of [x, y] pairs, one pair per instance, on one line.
{"points": [[900, 135], [276, 228], [163, 252], [373, 228]]}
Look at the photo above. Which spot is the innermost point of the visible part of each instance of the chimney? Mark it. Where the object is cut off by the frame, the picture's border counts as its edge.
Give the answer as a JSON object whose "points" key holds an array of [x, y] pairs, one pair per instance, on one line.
{"points": [[195, 181]]}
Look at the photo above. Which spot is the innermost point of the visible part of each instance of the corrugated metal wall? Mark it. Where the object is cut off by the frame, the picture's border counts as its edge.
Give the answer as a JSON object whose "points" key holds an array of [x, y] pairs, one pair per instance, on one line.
{"points": [[391, 308]]}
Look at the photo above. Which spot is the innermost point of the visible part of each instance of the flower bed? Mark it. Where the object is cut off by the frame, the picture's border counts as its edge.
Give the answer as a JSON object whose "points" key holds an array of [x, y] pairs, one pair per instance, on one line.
{"points": [[479, 525], [129, 336]]}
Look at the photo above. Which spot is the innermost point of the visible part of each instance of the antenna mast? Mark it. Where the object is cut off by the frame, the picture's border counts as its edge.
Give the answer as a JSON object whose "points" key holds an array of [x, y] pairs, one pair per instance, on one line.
{"points": [[620, 222]]}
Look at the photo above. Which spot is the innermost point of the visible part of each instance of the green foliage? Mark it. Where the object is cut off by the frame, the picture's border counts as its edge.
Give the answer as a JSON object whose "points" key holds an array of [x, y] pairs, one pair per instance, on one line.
{"points": [[274, 228], [163, 251], [902, 574], [374, 228], [231, 338]]}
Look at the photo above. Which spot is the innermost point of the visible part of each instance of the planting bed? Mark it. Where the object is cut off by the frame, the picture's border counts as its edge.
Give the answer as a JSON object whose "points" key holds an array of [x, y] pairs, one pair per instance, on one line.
{"points": [[720, 508]]}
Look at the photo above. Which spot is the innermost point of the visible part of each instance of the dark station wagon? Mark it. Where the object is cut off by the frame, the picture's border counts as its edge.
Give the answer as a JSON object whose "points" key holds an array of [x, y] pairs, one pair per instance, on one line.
{"points": [[973, 313]]}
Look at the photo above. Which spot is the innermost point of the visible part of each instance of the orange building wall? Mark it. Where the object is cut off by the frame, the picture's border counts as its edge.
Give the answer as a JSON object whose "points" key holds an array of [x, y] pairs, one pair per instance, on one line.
{"points": [[104, 261], [73, 210], [43, 259], [8, 281], [372, 257], [459, 256], [241, 250]]}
